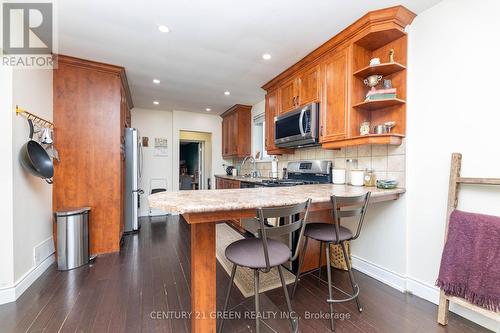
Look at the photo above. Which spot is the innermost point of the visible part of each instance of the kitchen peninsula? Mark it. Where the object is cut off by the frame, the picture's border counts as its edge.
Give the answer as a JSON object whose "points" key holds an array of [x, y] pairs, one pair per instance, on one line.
{"points": [[203, 209]]}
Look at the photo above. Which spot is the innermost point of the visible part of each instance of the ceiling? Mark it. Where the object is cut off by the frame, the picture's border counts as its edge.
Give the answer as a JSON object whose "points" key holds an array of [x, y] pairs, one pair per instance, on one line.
{"points": [[212, 46]]}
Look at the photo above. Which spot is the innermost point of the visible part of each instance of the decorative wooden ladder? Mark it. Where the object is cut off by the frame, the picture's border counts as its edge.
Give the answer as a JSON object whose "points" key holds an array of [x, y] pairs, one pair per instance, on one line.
{"points": [[455, 181]]}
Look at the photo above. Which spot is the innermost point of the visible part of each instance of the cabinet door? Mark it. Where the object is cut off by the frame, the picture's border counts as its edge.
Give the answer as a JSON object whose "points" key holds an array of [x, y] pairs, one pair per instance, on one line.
{"points": [[271, 109], [309, 85], [225, 139], [233, 134], [333, 119], [219, 183], [288, 96]]}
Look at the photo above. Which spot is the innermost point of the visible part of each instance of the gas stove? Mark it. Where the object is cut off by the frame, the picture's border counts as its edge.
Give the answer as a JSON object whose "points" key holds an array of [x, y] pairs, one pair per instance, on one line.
{"points": [[286, 182], [303, 173]]}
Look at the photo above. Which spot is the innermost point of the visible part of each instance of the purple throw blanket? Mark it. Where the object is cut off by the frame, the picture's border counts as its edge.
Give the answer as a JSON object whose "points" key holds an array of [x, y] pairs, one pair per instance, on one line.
{"points": [[470, 265]]}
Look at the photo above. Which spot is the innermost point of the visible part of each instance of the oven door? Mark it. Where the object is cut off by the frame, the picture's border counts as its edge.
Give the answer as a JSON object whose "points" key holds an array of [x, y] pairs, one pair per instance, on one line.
{"points": [[297, 128]]}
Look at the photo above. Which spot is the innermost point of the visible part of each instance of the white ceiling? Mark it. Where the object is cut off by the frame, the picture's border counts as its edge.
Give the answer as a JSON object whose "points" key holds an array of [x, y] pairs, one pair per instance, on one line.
{"points": [[213, 46]]}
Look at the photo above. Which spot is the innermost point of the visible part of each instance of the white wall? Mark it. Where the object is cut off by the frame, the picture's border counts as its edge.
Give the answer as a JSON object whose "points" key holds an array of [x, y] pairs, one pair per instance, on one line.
{"points": [[453, 71], [191, 121], [153, 124], [6, 212], [168, 124], [26, 200], [32, 90]]}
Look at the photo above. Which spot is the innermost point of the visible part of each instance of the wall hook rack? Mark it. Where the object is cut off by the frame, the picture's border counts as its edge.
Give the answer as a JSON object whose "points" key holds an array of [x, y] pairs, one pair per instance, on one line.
{"points": [[40, 122]]}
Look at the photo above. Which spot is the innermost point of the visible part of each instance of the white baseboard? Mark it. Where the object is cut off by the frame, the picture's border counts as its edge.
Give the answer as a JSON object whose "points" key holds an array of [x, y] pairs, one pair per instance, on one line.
{"points": [[12, 293], [390, 278], [423, 290]]}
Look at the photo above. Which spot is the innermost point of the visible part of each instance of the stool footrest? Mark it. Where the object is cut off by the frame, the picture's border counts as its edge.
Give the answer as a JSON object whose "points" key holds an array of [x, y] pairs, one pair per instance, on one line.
{"points": [[348, 299]]}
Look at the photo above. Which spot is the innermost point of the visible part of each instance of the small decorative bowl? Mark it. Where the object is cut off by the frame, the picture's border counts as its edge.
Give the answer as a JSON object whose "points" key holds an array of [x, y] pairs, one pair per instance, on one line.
{"points": [[387, 184]]}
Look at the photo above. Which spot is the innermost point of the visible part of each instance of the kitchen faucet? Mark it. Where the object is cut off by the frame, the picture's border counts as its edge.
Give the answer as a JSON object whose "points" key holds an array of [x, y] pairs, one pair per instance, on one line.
{"points": [[255, 173]]}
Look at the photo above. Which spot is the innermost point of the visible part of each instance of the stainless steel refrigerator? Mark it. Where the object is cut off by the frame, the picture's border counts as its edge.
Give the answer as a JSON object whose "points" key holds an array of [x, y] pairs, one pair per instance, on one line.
{"points": [[133, 169]]}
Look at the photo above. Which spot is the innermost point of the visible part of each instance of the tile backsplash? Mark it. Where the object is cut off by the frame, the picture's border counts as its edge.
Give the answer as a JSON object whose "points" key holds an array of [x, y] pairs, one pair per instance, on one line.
{"points": [[387, 161]]}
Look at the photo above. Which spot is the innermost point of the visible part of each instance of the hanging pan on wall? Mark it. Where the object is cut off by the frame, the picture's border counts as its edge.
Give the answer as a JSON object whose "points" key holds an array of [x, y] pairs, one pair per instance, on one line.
{"points": [[35, 159]]}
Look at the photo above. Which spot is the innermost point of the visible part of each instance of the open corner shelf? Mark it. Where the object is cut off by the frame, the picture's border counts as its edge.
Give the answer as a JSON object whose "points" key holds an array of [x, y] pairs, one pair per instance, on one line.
{"points": [[378, 104], [374, 139], [382, 69]]}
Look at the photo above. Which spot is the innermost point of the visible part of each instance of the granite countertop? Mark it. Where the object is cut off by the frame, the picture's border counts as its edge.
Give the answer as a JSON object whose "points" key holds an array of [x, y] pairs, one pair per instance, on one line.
{"points": [[183, 202]]}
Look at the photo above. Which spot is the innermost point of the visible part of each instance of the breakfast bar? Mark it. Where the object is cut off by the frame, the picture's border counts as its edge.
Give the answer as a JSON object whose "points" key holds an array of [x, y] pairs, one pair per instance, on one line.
{"points": [[203, 209]]}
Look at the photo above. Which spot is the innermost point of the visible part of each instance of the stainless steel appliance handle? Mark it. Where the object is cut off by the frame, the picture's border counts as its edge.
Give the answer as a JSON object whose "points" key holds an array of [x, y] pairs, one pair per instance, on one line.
{"points": [[301, 119]]}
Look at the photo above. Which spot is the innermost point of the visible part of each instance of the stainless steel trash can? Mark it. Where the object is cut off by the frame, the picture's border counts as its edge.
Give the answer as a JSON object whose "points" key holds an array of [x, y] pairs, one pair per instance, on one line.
{"points": [[72, 238]]}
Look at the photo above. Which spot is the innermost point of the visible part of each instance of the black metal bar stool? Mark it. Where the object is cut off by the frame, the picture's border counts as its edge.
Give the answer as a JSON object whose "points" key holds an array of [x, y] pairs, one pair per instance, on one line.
{"points": [[327, 233], [263, 253]]}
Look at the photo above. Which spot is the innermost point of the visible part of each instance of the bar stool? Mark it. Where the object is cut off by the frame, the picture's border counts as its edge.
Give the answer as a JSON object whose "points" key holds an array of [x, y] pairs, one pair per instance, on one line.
{"points": [[327, 233], [263, 253]]}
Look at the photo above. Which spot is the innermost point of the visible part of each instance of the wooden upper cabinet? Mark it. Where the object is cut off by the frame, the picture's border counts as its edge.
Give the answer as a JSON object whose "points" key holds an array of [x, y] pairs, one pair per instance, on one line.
{"points": [[333, 74], [308, 86], [236, 131], [225, 137], [303, 88], [272, 109], [334, 106], [271, 112], [288, 93]]}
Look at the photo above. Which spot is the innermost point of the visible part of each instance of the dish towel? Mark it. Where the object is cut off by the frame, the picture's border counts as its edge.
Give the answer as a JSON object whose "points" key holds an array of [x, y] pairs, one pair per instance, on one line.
{"points": [[470, 265]]}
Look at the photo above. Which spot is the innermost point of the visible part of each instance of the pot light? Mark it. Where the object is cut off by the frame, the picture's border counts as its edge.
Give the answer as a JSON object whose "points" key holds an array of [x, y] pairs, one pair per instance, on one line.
{"points": [[227, 93], [208, 109], [156, 102], [163, 28], [266, 56], [156, 81]]}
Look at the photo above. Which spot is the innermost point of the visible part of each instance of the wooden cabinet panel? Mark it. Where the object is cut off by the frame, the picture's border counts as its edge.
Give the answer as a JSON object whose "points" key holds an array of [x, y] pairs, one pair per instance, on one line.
{"points": [[223, 183], [333, 118], [90, 113], [272, 107], [288, 96], [225, 137], [236, 131], [309, 86], [219, 183], [270, 113]]}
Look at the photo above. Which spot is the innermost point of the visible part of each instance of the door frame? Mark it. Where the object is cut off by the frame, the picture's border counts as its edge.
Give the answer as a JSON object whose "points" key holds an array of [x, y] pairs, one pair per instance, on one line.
{"points": [[201, 161]]}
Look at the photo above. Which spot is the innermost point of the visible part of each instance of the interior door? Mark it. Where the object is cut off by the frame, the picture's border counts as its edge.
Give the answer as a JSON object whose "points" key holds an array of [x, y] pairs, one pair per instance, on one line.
{"points": [[309, 86], [333, 114]]}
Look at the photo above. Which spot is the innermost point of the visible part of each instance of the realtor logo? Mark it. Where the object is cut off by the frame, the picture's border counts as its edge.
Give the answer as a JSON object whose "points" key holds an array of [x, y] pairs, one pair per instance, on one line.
{"points": [[27, 34]]}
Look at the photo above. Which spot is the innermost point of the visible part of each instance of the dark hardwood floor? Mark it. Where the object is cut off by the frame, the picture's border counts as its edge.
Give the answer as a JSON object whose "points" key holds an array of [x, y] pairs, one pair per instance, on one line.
{"points": [[150, 278]]}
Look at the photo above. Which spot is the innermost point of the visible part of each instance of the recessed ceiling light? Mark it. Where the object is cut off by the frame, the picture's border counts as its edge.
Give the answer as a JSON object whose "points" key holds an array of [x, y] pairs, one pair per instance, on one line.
{"points": [[156, 81], [163, 28], [208, 109], [227, 93], [156, 102], [266, 56]]}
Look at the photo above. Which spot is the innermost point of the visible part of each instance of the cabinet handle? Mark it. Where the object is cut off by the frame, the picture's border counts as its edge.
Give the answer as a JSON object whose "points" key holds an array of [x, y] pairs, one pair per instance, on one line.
{"points": [[321, 131], [297, 100], [293, 101]]}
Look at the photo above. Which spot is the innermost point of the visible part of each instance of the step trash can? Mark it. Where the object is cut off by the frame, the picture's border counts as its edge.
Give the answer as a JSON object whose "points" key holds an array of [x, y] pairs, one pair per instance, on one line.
{"points": [[72, 238]]}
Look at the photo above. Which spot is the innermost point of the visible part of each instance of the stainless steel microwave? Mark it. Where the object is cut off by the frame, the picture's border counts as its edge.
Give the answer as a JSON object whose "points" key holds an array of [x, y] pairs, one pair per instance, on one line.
{"points": [[297, 128]]}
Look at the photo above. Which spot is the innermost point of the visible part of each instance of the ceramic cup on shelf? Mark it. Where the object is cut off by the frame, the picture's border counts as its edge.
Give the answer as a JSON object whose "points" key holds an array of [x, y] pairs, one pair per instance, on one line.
{"points": [[338, 176]]}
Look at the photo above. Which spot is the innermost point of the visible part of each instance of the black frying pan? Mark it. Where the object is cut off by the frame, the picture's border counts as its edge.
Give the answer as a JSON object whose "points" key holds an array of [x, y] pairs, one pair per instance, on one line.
{"points": [[35, 159]]}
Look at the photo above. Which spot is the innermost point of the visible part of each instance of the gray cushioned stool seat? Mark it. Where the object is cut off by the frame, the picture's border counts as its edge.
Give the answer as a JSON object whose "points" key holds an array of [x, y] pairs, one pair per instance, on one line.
{"points": [[250, 253], [326, 232]]}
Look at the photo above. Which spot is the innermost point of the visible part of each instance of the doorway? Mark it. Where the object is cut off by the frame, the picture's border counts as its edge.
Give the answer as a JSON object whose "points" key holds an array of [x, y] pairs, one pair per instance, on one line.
{"points": [[191, 165]]}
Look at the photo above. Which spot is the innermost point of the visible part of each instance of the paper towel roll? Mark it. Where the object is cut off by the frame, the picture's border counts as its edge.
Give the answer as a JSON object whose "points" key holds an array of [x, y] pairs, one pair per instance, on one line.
{"points": [[274, 168]]}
